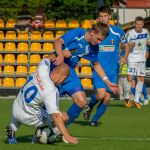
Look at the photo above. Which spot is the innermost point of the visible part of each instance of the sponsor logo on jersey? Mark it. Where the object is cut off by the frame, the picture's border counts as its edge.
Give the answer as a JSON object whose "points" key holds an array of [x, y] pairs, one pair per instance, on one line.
{"points": [[39, 81], [107, 48]]}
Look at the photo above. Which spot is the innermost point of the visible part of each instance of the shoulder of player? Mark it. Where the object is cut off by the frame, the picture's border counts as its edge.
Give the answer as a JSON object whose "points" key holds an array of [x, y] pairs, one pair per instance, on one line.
{"points": [[115, 28], [145, 30]]}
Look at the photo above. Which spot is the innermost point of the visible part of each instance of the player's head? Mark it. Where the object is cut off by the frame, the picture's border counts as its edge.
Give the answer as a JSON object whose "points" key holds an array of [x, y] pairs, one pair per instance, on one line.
{"points": [[139, 23], [104, 14], [60, 73], [97, 33]]}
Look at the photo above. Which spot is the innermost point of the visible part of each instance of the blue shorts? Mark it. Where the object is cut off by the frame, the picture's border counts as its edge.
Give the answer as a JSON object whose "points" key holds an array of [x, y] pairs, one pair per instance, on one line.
{"points": [[71, 85], [99, 83]]}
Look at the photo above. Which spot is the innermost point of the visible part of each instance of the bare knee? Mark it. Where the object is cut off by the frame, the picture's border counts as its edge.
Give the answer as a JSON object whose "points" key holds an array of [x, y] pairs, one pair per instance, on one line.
{"points": [[101, 93], [80, 99]]}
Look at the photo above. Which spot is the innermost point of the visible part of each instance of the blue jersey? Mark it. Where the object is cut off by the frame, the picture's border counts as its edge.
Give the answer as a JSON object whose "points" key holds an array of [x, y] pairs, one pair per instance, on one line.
{"points": [[75, 42], [108, 55]]}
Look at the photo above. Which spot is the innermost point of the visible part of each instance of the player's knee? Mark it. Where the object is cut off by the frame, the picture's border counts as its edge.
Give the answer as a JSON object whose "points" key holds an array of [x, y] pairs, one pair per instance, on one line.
{"points": [[82, 103], [100, 95], [106, 101]]}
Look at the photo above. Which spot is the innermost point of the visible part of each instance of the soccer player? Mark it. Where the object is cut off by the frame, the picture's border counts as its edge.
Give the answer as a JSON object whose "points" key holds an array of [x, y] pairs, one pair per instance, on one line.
{"points": [[40, 89], [138, 39], [108, 57], [79, 43]]}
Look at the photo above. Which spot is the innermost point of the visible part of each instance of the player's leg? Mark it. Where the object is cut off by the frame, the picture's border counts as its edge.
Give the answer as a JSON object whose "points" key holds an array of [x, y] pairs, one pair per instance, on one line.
{"points": [[73, 87], [144, 92], [127, 89], [101, 109], [100, 94], [14, 125], [140, 81]]}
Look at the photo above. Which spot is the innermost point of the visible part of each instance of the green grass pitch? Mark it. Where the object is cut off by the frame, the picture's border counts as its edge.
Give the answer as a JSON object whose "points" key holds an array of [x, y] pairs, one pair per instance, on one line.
{"points": [[120, 129]]}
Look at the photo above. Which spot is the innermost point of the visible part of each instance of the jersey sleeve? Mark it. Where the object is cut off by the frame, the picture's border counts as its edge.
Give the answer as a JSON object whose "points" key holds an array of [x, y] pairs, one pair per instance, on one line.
{"points": [[46, 87], [122, 37], [70, 36]]}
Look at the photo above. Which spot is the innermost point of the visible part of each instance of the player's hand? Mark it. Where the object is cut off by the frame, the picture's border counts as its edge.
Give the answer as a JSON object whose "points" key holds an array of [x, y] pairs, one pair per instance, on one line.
{"points": [[70, 139], [122, 61], [67, 53], [114, 87], [58, 60]]}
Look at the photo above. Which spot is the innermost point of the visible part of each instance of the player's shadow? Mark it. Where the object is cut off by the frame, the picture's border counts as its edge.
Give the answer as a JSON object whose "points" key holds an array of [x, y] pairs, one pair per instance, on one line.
{"points": [[24, 139], [84, 123], [116, 105]]}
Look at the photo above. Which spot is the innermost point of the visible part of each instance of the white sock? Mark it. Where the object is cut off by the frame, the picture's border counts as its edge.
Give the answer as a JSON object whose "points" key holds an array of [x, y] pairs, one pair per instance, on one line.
{"points": [[15, 124], [138, 91]]}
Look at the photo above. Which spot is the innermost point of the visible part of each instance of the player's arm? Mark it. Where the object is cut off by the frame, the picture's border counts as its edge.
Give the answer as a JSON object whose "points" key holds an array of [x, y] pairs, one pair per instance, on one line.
{"points": [[58, 48], [98, 68], [60, 125]]}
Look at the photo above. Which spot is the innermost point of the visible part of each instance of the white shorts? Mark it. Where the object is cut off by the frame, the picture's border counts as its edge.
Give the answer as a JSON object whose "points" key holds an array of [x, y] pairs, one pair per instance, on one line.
{"points": [[136, 68], [42, 118]]}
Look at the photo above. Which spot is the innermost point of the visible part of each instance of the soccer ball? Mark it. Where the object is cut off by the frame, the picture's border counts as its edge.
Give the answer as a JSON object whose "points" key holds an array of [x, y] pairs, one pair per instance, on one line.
{"points": [[45, 135]]}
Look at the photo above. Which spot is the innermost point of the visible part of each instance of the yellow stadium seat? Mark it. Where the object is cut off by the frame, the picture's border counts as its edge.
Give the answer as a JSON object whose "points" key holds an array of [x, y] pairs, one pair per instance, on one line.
{"points": [[86, 24], [73, 24], [35, 47], [10, 35], [9, 46], [9, 70], [10, 23], [23, 47], [1, 35], [21, 70], [1, 23], [0, 69], [86, 83], [36, 35], [1, 58], [59, 33], [8, 82], [112, 22], [77, 70], [61, 24], [1, 47], [84, 61], [35, 58], [22, 58], [86, 71], [48, 47], [23, 35], [9, 58], [48, 35], [32, 69], [49, 24], [20, 82]]}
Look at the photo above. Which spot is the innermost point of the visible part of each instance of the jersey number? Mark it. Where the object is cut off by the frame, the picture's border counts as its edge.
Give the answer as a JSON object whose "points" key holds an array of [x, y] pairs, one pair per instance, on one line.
{"points": [[32, 91]]}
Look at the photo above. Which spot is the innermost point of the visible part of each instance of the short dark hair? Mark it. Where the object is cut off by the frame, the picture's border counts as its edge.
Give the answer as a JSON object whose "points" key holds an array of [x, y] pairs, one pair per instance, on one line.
{"points": [[104, 9], [139, 18]]}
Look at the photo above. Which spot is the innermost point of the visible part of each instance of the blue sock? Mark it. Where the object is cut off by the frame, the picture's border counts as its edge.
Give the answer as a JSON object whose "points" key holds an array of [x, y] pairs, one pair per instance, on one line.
{"points": [[144, 91], [93, 101], [73, 112], [99, 112]]}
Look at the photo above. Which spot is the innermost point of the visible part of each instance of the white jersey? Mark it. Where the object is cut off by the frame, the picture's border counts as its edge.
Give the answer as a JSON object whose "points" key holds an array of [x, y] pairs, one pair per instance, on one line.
{"points": [[138, 53], [39, 90]]}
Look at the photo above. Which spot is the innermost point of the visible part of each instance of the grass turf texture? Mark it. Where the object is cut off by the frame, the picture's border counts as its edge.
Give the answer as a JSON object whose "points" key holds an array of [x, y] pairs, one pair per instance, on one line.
{"points": [[120, 129]]}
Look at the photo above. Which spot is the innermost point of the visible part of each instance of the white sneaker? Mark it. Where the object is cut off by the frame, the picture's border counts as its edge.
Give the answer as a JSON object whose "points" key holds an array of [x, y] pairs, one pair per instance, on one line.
{"points": [[146, 101]]}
